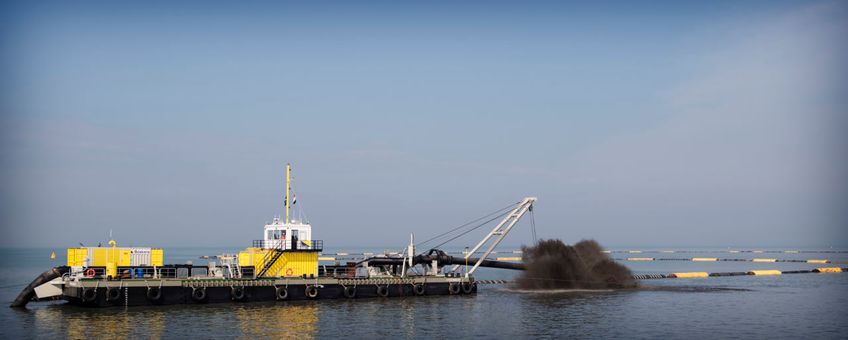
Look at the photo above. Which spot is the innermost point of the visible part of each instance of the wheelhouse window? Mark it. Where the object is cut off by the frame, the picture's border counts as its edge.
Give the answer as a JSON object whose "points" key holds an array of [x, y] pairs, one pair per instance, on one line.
{"points": [[276, 234]]}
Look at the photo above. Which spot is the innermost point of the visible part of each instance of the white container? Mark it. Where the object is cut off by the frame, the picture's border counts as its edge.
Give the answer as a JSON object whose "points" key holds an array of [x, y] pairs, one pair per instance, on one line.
{"points": [[140, 256]]}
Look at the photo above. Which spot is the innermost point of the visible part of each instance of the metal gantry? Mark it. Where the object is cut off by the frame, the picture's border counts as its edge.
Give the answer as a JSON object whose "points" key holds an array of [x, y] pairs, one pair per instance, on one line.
{"points": [[500, 231]]}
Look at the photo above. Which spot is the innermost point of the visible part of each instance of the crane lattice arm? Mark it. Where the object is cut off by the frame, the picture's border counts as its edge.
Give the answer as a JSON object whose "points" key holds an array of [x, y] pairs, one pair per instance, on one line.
{"points": [[500, 231]]}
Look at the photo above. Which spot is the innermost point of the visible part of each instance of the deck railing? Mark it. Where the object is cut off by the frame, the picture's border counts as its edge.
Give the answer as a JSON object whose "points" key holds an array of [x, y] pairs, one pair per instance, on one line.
{"points": [[289, 245]]}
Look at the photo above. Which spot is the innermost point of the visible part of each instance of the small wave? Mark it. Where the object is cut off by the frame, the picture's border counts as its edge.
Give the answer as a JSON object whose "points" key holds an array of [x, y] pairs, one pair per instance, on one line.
{"points": [[555, 291], [692, 289], [681, 289]]}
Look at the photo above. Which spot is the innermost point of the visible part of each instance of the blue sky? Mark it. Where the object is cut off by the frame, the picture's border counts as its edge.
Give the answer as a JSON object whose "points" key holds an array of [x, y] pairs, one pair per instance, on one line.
{"points": [[661, 124]]}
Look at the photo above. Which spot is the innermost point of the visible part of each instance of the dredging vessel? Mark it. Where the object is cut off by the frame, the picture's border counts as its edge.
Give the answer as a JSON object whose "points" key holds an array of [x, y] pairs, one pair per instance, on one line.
{"points": [[283, 265]]}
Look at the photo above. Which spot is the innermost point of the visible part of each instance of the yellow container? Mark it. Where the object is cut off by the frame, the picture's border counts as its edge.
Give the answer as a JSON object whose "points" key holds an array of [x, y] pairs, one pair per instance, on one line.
{"points": [[298, 263], [99, 257], [764, 260], [113, 255], [817, 261], [124, 257], [691, 275], [829, 270], [290, 263], [76, 257], [111, 269], [156, 257], [245, 257]]}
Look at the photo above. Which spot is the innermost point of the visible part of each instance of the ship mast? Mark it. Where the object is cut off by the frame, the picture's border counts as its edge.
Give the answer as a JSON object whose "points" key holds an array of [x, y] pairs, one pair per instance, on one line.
{"points": [[288, 192]]}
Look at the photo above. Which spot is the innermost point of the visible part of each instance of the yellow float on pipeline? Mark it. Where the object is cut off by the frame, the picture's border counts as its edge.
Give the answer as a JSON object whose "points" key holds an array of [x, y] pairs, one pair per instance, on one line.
{"points": [[690, 275], [765, 272]]}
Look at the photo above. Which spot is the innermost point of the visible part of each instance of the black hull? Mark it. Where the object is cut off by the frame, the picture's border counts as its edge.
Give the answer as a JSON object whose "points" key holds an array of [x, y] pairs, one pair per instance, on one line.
{"points": [[139, 296]]}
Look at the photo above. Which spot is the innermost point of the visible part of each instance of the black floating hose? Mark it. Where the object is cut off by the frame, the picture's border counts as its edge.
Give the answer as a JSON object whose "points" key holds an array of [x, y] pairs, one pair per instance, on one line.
{"points": [[26, 295], [443, 259]]}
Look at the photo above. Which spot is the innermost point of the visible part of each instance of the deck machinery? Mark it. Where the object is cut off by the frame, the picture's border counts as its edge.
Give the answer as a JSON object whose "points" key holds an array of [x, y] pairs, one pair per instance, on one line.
{"points": [[283, 265]]}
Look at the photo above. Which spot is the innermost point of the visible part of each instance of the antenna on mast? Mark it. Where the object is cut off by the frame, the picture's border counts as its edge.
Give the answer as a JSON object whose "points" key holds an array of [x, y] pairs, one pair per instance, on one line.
{"points": [[288, 191]]}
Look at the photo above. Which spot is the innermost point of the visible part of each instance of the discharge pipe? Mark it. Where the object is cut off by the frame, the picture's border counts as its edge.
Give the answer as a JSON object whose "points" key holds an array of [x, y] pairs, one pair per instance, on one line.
{"points": [[444, 259], [26, 295]]}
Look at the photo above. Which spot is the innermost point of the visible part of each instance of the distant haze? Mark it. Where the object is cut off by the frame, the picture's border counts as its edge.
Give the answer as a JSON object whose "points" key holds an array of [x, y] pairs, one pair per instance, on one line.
{"points": [[635, 124]]}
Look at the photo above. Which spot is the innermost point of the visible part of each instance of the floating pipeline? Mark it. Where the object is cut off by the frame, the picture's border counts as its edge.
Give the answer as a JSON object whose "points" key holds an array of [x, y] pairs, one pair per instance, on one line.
{"points": [[830, 270], [764, 260], [690, 275], [765, 272], [713, 259], [751, 272], [728, 251], [687, 275]]}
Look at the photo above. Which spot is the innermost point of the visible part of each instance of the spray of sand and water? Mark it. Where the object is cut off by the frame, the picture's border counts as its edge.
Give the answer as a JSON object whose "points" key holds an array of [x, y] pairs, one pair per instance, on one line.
{"points": [[553, 265]]}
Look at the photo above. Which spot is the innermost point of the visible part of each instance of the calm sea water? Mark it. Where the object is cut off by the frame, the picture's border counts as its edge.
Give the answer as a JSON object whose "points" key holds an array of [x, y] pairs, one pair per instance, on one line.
{"points": [[787, 306]]}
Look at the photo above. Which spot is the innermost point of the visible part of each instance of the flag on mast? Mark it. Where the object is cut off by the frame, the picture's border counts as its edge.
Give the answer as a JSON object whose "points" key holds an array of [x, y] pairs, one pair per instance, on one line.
{"points": [[294, 198]]}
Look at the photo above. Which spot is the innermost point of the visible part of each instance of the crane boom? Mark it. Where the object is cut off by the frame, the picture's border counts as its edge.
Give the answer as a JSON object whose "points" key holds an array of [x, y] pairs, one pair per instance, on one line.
{"points": [[500, 231]]}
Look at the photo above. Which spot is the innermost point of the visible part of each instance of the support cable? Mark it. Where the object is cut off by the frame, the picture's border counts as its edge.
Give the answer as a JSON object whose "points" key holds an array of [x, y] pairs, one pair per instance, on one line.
{"points": [[467, 224], [472, 229], [533, 224]]}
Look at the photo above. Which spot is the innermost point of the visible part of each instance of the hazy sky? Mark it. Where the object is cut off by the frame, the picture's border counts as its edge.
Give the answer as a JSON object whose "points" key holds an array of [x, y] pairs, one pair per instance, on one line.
{"points": [[638, 124]]}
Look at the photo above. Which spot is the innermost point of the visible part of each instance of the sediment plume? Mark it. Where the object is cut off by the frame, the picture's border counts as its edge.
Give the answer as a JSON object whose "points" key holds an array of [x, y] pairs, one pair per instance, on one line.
{"points": [[551, 264]]}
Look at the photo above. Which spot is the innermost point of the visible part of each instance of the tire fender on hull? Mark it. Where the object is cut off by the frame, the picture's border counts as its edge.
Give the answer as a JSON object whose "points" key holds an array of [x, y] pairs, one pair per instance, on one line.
{"points": [[237, 293], [467, 287], [311, 291], [350, 292], [282, 293], [113, 294], [383, 291], [198, 294], [89, 294], [419, 289], [154, 293]]}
